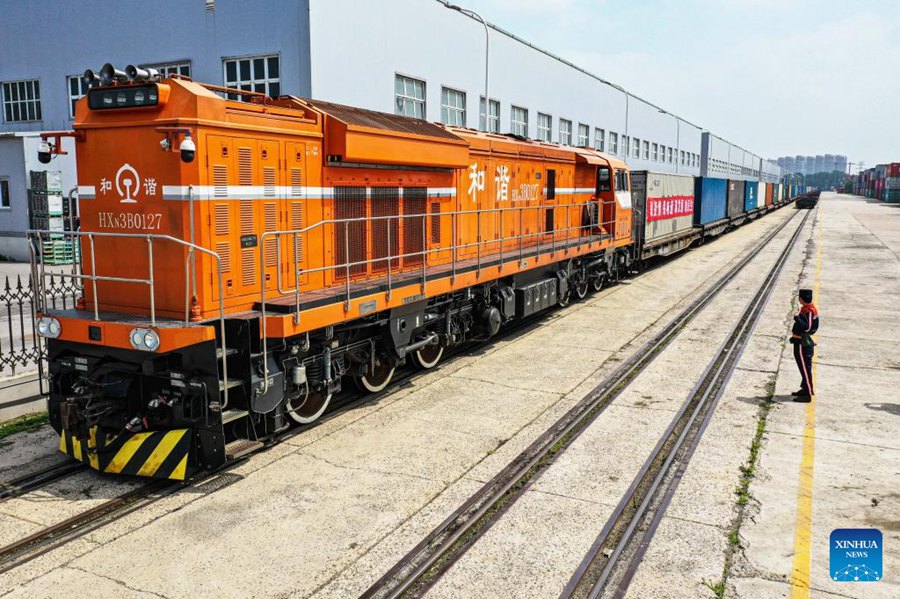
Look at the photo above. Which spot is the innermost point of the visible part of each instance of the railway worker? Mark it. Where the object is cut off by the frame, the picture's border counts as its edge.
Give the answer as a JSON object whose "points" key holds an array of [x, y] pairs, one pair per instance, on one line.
{"points": [[806, 323]]}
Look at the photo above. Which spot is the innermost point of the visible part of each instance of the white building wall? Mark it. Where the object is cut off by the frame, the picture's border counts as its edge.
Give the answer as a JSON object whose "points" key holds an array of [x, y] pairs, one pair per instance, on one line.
{"points": [[425, 40]]}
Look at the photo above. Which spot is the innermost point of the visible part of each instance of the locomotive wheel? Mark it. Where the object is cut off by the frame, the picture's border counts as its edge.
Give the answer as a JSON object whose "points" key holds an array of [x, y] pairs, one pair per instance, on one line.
{"points": [[373, 382], [306, 409], [564, 298], [428, 356], [581, 289], [597, 282]]}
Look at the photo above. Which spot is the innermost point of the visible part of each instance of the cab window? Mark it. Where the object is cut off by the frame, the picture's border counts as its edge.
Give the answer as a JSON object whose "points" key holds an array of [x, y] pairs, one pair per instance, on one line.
{"points": [[603, 179], [621, 181]]}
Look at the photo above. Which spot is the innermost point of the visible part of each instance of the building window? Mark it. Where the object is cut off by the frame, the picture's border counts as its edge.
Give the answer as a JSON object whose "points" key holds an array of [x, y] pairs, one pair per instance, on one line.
{"points": [[22, 101], [613, 143], [681, 157], [670, 155], [255, 74], [636, 147], [584, 136], [565, 132], [167, 69], [646, 150], [519, 121], [409, 96], [4, 193], [656, 152], [77, 89], [493, 124], [626, 146], [599, 139], [545, 122], [453, 107]]}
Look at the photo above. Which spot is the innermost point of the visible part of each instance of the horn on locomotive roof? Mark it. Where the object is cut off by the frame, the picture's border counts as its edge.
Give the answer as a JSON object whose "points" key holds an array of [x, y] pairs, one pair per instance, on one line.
{"points": [[90, 78], [110, 74], [139, 75]]}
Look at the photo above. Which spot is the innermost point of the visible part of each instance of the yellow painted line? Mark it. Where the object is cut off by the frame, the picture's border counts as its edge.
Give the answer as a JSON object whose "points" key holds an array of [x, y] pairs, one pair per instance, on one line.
{"points": [[803, 525], [162, 451]]}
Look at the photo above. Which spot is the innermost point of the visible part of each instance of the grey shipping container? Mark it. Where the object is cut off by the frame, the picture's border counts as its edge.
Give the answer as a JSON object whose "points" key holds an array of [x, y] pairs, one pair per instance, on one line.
{"points": [[665, 203], [735, 198]]}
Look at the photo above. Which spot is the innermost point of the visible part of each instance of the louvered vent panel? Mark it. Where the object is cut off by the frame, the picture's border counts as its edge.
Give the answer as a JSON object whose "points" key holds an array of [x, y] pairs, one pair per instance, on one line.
{"points": [[220, 180], [435, 223], [247, 225], [414, 207], [296, 183], [245, 166], [385, 230], [221, 217], [223, 248], [271, 222], [350, 203], [269, 181], [248, 267], [296, 241]]}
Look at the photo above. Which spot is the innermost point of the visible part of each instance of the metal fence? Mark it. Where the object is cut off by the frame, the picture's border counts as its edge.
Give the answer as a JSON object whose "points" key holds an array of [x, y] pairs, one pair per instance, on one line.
{"points": [[20, 346]]}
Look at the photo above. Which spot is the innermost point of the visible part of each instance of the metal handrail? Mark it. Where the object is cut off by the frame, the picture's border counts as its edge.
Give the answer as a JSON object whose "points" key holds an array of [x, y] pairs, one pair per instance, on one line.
{"points": [[35, 236], [389, 258]]}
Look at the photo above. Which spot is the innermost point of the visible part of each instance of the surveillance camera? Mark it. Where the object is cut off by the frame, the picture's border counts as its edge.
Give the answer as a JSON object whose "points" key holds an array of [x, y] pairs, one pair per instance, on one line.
{"points": [[188, 149], [44, 153], [165, 144]]}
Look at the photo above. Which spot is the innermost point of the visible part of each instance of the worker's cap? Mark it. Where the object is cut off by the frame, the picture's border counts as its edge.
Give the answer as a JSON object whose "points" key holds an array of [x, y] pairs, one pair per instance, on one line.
{"points": [[806, 295]]}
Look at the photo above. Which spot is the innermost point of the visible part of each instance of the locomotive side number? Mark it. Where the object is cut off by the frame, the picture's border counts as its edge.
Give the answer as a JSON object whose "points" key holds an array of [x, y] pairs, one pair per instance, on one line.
{"points": [[129, 220]]}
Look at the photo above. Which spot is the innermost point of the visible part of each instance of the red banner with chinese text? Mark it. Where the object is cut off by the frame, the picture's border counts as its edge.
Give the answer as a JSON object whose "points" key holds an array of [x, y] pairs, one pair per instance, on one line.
{"points": [[669, 207]]}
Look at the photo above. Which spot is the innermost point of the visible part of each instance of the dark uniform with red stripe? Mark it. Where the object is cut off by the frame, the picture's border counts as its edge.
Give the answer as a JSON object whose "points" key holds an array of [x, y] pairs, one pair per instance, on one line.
{"points": [[806, 323]]}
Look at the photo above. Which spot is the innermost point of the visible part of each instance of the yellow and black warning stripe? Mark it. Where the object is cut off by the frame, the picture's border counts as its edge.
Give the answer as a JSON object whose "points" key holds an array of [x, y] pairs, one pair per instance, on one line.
{"points": [[157, 454]]}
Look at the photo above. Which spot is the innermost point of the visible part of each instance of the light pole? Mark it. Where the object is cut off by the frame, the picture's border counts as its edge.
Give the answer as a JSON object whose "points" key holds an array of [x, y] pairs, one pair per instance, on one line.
{"points": [[677, 135], [487, 49]]}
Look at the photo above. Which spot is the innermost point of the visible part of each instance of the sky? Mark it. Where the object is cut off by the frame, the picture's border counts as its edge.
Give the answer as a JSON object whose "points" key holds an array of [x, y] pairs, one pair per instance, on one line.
{"points": [[778, 77]]}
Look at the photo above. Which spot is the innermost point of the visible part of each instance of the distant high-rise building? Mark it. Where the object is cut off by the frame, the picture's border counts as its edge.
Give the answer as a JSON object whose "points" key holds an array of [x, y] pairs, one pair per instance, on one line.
{"points": [[840, 163], [810, 165]]}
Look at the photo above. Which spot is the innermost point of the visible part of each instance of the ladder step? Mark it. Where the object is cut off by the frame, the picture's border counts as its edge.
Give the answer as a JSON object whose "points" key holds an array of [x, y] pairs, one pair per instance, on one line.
{"points": [[231, 384], [241, 447], [232, 415], [228, 351]]}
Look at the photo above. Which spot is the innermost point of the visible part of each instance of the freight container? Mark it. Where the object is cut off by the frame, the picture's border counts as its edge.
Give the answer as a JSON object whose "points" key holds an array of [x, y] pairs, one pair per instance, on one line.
{"points": [[710, 198], [751, 188], [735, 198], [666, 202], [779, 192], [770, 194], [893, 169]]}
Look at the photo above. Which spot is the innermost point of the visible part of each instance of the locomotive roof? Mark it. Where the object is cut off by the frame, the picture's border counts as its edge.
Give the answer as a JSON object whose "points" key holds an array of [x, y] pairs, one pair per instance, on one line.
{"points": [[362, 117]]}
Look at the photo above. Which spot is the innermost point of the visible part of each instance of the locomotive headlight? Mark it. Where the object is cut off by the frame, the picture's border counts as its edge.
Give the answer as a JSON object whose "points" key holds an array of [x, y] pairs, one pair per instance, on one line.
{"points": [[107, 99], [139, 96], [121, 98], [144, 339], [151, 340], [48, 327]]}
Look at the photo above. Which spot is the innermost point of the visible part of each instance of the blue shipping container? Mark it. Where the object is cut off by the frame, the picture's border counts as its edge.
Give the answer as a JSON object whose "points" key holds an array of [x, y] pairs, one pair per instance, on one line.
{"points": [[750, 191], [709, 199]]}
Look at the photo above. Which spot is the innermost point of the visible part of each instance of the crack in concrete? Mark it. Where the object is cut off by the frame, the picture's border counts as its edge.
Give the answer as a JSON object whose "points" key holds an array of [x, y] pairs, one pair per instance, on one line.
{"points": [[117, 581], [369, 470], [840, 441]]}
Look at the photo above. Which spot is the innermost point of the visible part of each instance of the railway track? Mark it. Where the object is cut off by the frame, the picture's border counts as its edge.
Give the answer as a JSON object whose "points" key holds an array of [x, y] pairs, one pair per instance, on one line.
{"points": [[610, 564], [36, 480], [433, 556]]}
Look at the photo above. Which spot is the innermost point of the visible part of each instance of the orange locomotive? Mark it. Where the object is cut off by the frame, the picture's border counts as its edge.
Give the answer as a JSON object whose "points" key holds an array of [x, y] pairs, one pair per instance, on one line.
{"points": [[240, 260]]}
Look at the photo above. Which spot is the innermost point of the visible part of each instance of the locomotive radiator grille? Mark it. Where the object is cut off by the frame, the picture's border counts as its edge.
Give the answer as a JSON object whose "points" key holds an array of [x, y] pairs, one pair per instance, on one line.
{"points": [[415, 201], [351, 240]]}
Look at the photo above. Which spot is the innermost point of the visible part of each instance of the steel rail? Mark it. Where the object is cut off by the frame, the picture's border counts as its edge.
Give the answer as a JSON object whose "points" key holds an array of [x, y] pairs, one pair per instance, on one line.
{"points": [[426, 562], [36, 480], [625, 534]]}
